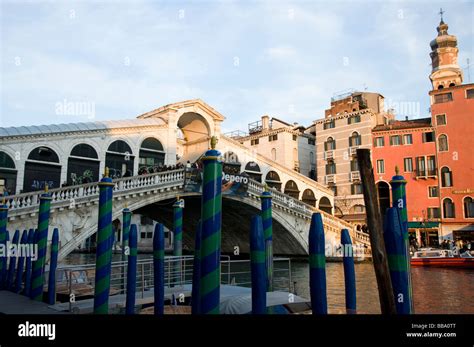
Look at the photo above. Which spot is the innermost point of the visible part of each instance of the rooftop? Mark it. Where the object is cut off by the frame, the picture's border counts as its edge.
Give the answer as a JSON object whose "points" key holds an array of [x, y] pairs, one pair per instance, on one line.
{"points": [[404, 124], [77, 127]]}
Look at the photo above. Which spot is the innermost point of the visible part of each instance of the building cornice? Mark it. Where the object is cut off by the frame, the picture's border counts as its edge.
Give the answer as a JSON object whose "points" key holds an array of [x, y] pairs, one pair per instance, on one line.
{"points": [[345, 115]]}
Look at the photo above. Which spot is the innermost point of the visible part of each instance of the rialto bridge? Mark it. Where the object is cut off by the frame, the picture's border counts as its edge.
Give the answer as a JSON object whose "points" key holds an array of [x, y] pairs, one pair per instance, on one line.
{"points": [[143, 156]]}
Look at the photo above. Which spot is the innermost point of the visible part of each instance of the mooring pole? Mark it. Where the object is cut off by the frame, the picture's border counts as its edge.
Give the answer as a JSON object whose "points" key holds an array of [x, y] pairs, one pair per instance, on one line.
{"points": [[374, 223], [159, 269], [104, 246], [28, 263], [349, 272], [258, 267], [196, 271], [21, 264], [12, 265], [266, 201], [3, 240], [317, 265], [178, 239], [131, 271], [53, 264]]}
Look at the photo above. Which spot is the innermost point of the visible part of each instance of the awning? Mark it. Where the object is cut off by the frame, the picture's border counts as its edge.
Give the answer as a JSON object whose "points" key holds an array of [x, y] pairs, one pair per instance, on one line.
{"points": [[421, 225]]}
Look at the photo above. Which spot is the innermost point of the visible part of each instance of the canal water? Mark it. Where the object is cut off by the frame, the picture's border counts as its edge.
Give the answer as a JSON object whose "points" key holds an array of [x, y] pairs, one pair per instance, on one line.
{"points": [[435, 290]]}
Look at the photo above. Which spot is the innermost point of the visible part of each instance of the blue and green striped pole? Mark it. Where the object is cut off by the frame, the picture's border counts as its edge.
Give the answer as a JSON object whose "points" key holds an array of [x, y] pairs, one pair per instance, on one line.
{"points": [[37, 275], [159, 269], [349, 272], [104, 246], [13, 260], [258, 267], [196, 271], [31, 245], [53, 264], [132, 271], [399, 199], [3, 241], [21, 262], [178, 236], [266, 199], [211, 231], [317, 266], [395, 246]]}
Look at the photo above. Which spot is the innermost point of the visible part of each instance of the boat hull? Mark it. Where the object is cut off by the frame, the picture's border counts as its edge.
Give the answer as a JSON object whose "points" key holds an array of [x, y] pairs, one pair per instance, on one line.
{"points": [[444, 262]]}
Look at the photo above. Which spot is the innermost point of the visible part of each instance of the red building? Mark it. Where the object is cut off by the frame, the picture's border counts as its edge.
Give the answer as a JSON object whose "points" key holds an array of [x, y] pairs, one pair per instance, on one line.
{"points": [[452, 114], [409, 145]]}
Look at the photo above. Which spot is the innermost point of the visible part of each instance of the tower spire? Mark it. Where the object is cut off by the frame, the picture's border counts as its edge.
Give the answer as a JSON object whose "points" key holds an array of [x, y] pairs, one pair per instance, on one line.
{"points": [[441, 12]]}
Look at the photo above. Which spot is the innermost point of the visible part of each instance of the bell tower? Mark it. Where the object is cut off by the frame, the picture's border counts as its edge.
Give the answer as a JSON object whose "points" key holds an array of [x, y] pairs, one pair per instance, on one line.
{"points": [[445, 70]]}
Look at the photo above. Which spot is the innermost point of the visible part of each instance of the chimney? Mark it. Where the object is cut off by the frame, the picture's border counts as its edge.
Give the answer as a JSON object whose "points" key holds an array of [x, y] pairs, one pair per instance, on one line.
{"points": [[406, 118], [265, 122]]}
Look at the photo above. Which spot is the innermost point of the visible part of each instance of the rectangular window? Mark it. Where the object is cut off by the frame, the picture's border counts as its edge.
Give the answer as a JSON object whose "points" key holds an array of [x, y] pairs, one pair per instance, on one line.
{"points": [[420, 166], [295, 137], [433, 192], [330, 169], [431, 162], [356, 189], [433, 212], [407, 139], [408, 165], [329, 125], [470, 94], [428, 137], [379, 142], [445, 97], [273, 137], [311, 142], [254, 142], [440, 119], [395, 140], [353, 119], [354, 165], [380, 166], [334, 189]]}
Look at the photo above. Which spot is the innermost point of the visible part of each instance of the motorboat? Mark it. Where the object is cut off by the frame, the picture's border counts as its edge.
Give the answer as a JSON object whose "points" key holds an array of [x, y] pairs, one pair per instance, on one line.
{"points": [[442, 258]]}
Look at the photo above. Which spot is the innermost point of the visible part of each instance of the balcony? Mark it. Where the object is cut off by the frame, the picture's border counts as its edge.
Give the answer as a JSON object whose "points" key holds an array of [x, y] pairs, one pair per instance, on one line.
{"points": [[330, 179], [425, 174], [353, 150], [328, 155], [355, 176]]}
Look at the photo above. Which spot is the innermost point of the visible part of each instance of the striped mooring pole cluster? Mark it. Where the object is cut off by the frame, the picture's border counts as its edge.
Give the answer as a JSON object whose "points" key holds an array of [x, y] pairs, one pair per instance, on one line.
{"points": [[349, 272], [104, 246], [401, 262], [266, 202], [3, 241], [131, 271], [159, 269], [36, 292], [178, 237], [258, 267], [317, 265], [211, 218]]}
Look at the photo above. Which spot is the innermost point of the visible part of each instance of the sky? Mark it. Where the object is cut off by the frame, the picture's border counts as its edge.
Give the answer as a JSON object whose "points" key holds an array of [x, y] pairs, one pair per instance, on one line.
{"points": [[67, 61]]}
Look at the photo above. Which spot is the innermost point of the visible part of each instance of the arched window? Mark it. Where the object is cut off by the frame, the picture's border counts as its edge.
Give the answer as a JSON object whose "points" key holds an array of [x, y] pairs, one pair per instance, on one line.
{"points": [[231, 163], [308, 197], [119, 159], [443, 143], [8, 174], [151, 156], [83, 165], [274, 154], [273, 180], [355, 139], [446, 177], [330, 144], [452, 84], [468, 207], [292, 190], [448, 208], [325, 205], [253, 170], [42, 168], [440, 87]]}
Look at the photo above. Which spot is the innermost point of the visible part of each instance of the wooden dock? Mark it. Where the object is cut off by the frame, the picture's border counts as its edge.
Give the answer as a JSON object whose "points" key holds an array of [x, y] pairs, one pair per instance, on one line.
{"points": [[12, 303]]}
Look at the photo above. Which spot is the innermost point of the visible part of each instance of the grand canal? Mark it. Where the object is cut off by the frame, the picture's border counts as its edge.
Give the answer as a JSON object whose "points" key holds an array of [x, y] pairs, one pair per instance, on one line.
{"points": [[435, 290]]}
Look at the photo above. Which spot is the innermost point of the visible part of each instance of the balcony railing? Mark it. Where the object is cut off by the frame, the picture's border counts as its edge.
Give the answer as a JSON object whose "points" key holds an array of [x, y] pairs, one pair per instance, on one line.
{"points": [[355, 176], [329, 154], [329, 179], [353, 150]]}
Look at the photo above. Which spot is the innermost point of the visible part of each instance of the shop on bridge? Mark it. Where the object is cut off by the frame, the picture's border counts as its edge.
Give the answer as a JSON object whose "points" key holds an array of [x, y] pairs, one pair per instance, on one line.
{"points": [[8, 174], [272, 179], [119, 159], [253, 170], [231, 164], [42, 168], [151, 156], [309, 198], [291, 189], [83, 165]]}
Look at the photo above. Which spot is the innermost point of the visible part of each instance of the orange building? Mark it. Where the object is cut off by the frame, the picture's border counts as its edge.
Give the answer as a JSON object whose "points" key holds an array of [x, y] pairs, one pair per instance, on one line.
{"points": [[452, 113], [409, 145]]}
